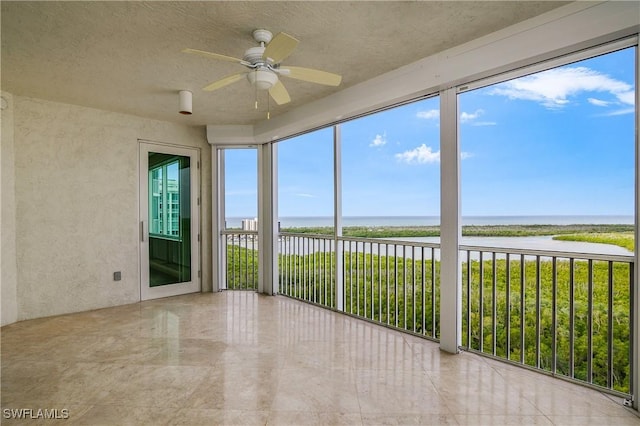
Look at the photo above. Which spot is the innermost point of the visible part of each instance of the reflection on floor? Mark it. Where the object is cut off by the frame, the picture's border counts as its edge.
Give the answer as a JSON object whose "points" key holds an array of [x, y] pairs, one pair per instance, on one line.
{"points": [[241, 358]]}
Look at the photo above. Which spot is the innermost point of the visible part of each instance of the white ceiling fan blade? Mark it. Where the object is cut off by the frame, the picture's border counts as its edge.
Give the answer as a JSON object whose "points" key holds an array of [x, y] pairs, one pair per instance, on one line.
{"points": [[230, 79], [279, 93], [215, 56], [313, 76], [281, 46]]}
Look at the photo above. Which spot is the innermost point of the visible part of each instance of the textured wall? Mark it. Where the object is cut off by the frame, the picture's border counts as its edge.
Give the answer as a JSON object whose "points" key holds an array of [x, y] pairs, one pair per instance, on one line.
{"points": [[8, 271], [76, 176]]}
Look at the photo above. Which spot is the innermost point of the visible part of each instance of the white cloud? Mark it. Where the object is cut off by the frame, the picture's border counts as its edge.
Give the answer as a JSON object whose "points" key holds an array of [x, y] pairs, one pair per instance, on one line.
{"points": [[470, 116], [620, 112], [301, 194], [628, 98], [420, 155], [598, 102], [379, 140], [554, 87], [432, 114], [424, 154]]}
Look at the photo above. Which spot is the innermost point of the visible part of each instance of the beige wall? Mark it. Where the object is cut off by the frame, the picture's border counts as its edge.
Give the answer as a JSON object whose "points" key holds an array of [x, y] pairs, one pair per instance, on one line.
{"points": [[76, 204], [8, 269]]}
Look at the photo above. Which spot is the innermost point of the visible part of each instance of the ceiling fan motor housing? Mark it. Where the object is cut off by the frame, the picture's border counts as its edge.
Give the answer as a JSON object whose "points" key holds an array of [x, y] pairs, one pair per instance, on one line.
{"points": [[253, 55]]}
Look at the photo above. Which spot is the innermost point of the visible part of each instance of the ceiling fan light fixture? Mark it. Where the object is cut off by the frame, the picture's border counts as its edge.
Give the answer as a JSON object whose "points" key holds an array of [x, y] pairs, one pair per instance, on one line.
{"points": [[263, 79], [186, 106]]}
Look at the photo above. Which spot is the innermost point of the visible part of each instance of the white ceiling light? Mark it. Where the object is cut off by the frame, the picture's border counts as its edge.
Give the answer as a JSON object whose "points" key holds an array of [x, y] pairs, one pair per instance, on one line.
{"points": [[262, 78], [186, 106]]}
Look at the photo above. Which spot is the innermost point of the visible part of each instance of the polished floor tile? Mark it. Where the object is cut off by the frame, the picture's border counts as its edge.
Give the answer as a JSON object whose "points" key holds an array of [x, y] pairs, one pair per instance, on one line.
{"points": [[239, 358]]}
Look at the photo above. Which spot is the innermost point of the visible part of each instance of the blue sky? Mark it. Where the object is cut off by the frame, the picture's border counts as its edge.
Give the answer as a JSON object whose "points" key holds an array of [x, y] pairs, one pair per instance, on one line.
{"points": [[559, 142]]}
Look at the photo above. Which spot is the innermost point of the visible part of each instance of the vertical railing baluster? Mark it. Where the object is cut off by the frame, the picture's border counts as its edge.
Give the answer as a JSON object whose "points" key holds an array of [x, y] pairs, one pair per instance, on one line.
{"points": [[633, 361], [404, 286], [610, 328], [386, 252], [590, 324], [230, 265], [395, 282], [538, 311], [358, 277], [372, 275], [380, 283], [287, 261], [236, 253], [246, 261], [364, 277], [481, 302], [508, 305], [309, 268], [494, 301], [351, 277], [296, 265], [434, 333], [314, 271], [523, 281], [469, 345], [305, 267], [424, 297], [413, 286], [325, 271], [572, 314], [554, 316]]}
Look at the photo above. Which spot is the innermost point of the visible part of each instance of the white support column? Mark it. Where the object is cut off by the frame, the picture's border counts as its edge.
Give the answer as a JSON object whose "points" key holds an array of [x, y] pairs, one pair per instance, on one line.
{"points": [[450, 225], [267, 219], [635, 377], [337, 216], [218, 254]]}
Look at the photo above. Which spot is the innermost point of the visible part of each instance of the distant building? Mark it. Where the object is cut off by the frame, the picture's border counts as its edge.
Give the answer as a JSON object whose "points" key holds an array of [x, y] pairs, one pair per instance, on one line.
{"points": [[250, 224]]}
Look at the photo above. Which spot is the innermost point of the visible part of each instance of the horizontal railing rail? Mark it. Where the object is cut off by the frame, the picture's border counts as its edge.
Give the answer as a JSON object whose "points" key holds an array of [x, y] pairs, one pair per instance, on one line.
{"points": [[562, 313], [240, 249]]}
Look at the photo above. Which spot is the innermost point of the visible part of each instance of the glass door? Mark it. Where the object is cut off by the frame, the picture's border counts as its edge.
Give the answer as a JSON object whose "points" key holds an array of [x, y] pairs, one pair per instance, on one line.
{"points": [[169, 225]]}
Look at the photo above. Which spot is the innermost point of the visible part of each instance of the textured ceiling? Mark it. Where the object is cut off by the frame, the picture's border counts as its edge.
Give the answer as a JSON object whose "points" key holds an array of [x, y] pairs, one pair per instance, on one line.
{"points": [[126, 56]]}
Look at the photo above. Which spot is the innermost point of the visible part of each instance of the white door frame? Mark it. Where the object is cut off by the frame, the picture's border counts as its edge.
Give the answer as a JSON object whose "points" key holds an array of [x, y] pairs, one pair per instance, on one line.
{"points": [[147, 292]]}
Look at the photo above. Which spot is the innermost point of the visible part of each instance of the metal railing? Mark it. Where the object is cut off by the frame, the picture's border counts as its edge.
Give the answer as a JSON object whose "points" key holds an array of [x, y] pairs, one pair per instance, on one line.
{"points": [[566, 314], [306, 265], [240, 250], [392, 283], [562, 313]]}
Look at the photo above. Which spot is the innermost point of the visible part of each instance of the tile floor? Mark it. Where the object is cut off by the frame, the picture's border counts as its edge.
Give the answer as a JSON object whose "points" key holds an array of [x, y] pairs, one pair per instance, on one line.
{"points": [[241, 358]]}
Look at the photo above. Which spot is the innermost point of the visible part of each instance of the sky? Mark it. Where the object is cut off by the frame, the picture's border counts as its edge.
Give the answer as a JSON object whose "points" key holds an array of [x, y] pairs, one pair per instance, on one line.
{"points": [[558, 142]]}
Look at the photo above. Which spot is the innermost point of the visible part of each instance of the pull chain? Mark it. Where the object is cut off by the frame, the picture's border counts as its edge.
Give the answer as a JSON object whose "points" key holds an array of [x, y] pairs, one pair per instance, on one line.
{"points": [[256, 87]]}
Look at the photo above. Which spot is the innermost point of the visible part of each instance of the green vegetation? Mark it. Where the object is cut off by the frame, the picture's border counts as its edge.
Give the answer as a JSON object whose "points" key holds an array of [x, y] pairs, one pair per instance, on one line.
{"points": [[622, 239], [468, 231], [242, 268]]}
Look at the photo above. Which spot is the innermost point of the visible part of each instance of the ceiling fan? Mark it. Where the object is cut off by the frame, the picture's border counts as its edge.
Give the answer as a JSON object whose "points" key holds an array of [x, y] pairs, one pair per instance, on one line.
{"points": [[264, 64]]}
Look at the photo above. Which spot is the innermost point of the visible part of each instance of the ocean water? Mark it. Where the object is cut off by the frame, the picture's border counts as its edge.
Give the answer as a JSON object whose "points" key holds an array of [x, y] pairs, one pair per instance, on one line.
{"points": [[303, 222]]}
